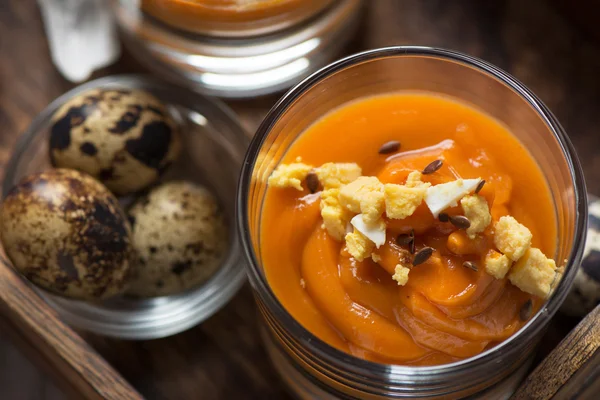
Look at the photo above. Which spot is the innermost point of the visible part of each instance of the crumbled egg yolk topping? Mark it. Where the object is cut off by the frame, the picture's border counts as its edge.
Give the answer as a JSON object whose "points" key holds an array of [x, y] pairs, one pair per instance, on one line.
{"points": [[364, 196], [350, 200], [512, 238], [477, 211], [401, 201], [359, 246], [533, 273], [401, 274], [335, 175], [289, 175], [335, 217], [497, 264]]}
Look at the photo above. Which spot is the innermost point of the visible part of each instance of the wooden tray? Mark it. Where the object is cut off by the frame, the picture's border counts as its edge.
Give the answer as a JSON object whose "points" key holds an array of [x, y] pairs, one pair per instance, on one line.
{"points": [[223, 358]]}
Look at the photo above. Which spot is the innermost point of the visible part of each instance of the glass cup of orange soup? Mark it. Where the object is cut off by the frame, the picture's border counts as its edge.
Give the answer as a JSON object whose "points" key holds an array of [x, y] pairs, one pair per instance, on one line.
{"points": [[236, 48], [338, 328]]}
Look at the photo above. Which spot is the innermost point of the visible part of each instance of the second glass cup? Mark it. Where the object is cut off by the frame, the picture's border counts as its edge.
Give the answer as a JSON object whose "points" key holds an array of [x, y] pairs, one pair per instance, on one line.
{"points": [[236, 49], [312, 368]]}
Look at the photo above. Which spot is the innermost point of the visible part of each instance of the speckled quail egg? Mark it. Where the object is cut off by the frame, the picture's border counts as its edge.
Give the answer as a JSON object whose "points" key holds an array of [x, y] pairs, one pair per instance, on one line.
{"points": [[65, 232], [180, 237], [124, 138], [585, 292]]}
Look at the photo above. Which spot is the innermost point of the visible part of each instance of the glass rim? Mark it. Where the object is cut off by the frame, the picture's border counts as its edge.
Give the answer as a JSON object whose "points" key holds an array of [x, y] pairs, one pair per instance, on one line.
{"points": [[359, 365]]}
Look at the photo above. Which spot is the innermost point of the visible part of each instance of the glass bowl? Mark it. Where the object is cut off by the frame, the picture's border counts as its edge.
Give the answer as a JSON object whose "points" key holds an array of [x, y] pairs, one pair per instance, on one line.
{"points": [[312, 368], [214, 144]]}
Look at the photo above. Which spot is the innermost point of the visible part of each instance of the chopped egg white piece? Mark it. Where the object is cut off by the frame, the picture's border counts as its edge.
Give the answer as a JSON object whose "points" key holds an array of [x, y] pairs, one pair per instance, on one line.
{"points": [[374, 232], [442, 196]]}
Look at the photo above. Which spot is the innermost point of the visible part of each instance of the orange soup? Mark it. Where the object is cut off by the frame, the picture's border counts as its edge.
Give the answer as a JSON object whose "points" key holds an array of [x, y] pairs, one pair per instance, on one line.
{"points": [[206, 15], [445, 229]]}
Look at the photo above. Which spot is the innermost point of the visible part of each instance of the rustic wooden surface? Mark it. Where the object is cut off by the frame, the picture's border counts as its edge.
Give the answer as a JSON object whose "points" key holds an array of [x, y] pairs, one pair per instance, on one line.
{"points": [[32, 325], [570, 370], [223, 358]]}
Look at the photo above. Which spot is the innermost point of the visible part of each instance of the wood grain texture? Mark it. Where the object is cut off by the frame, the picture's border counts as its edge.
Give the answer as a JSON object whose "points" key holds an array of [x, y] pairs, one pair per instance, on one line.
{"points": [[27, 84], [568, 368], [35, 326], [223, 357]]}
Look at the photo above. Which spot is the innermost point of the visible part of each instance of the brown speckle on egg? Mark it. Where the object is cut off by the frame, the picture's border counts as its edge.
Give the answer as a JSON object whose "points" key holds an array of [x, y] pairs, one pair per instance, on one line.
{"points": [[88, 148], [65, 232], [124, 138], [181, 237]]}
